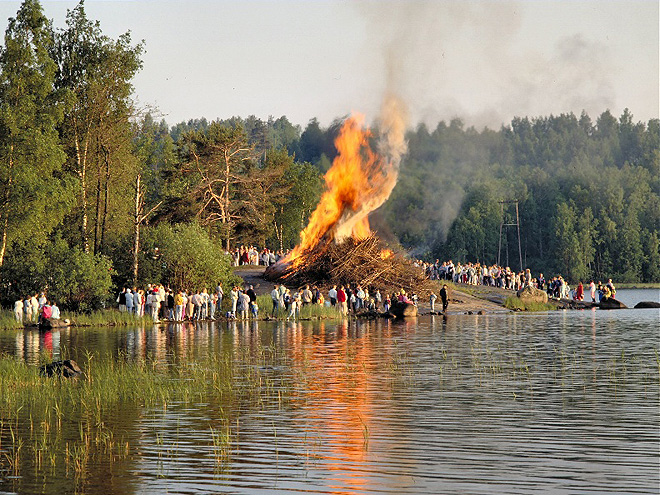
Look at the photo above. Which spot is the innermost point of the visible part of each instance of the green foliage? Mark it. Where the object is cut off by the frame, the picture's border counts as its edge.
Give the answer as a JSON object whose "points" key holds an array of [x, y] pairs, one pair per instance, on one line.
{"points": [[77, 280], [184, 257], [96, 72], [304, 184], [589, 195], [33, 196]]}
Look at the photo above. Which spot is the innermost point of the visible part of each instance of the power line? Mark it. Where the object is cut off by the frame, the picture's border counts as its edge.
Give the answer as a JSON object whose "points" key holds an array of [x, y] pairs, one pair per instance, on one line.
{"points": [[509, 224]]}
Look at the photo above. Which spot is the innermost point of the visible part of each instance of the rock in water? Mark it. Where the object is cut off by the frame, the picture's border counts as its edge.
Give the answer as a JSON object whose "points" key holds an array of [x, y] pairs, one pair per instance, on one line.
{"points": [[611, 303], [403, 309], [530, 294], [647, 304], [67, 368]]}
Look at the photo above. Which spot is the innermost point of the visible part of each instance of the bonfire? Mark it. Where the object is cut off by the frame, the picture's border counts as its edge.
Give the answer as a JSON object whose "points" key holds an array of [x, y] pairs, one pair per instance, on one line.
{"points": [[338, 246]]}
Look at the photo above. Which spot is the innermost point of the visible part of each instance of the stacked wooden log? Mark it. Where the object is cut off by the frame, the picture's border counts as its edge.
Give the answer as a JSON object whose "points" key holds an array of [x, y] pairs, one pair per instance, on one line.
{"points": [[352, 262]]}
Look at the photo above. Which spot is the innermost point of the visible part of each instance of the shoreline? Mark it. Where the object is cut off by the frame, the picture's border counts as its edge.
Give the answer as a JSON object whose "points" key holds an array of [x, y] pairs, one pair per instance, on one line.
{"points": [[464, 300]]}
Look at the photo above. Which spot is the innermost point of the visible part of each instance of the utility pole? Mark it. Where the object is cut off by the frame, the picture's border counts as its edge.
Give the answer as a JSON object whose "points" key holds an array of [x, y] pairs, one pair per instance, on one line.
{"points": [[507, 222]]}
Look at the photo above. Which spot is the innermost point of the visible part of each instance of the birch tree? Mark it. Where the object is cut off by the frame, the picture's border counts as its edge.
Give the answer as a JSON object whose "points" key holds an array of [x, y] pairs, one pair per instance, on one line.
{"points": [[32, 197]]}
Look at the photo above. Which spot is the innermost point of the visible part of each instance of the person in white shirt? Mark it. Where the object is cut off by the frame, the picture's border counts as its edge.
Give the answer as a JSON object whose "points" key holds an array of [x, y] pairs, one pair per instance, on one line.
{"points": [[18, 310], [54, 311], [275, 296], [332, 295]]}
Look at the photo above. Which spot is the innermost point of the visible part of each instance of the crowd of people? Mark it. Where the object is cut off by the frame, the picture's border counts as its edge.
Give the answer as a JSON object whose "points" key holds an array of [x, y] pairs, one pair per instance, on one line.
{"points": [[35, 308], [505, 278], [251, 255], [345, 299], [164, 303]]}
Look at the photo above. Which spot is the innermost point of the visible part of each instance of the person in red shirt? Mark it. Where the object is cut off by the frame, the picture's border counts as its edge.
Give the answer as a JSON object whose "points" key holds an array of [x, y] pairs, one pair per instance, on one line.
{"points": [[341, 299], [46, 312]]}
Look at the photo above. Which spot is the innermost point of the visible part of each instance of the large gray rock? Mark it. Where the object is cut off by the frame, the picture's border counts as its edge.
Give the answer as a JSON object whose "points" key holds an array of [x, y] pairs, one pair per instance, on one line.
{"points": [[647, 304], [403, 310], [611, 303], [530, 294], [67, 368]]}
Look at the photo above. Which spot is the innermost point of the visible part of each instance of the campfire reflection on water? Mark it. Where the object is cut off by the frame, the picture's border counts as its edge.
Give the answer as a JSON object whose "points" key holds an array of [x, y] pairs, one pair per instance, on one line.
{"points": [[466, 404]]}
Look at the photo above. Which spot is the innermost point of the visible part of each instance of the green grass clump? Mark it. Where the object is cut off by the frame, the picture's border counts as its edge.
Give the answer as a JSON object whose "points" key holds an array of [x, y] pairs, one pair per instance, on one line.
{"points": [[312, 311], [8, 321], [516, 304], [111, 317]]}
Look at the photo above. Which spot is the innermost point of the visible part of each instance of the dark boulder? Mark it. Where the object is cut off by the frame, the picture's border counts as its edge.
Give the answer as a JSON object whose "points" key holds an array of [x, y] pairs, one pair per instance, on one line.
{"points": [[647, 304], [67, 368], [611, 303], [403, 309]]}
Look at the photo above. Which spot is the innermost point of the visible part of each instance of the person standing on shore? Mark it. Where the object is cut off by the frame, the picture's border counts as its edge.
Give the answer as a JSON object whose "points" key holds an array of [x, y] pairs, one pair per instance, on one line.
{"points": [[592, 291], [444, 296], [275, 297], [234, 299], [432, 300], [129, 301], [341, 299], [35, 307], [18, 310], [332, 295]]}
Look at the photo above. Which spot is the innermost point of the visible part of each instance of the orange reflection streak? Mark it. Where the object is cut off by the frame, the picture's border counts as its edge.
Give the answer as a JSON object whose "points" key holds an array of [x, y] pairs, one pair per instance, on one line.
{"points": [[337, 396]]}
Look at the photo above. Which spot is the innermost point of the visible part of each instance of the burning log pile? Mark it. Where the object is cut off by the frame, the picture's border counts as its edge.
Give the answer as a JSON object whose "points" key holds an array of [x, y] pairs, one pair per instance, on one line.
{"points": [[337, 246], [353, 262]]}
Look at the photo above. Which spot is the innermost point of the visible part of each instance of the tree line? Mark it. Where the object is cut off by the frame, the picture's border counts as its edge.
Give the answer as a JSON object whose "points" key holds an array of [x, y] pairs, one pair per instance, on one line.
{"points": [[588, 193], [96, 193]]}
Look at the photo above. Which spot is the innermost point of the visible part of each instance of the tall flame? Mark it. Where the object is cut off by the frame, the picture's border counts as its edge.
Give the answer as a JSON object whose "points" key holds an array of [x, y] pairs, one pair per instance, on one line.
{"points": [[359, 181]]}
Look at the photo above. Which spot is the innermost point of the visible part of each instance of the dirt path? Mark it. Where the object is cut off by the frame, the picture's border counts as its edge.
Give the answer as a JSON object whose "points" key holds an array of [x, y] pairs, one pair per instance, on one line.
{"points": [[254, 275], [471, 299]]}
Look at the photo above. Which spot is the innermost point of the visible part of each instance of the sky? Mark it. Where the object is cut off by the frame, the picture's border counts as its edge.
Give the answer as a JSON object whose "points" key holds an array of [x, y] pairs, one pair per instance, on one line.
{"points": [[484, 62]]}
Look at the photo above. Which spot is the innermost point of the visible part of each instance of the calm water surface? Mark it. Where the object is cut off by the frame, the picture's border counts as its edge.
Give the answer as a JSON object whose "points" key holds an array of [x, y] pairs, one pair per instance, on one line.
{"points": [[563, 402]]}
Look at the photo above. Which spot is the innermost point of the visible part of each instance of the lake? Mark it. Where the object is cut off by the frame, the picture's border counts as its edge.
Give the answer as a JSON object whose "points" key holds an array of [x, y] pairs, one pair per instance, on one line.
{"points": [[558, 402]]}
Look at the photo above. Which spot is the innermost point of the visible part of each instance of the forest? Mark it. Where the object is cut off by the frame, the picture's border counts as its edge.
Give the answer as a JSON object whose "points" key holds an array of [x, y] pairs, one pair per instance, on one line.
{"points": [[97, 193]]}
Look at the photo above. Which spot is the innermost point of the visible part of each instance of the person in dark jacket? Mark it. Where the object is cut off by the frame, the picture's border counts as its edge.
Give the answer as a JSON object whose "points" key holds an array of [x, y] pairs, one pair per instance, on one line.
{"points": [[444, 297]]}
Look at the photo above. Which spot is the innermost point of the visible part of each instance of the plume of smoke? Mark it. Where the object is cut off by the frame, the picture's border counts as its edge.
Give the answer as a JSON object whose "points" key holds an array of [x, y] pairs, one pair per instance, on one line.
{"points": [[393, 123]]}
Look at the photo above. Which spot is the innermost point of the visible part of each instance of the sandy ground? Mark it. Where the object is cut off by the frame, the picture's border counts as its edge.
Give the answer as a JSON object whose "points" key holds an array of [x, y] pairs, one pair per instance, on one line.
{"points": [[471, 299]]}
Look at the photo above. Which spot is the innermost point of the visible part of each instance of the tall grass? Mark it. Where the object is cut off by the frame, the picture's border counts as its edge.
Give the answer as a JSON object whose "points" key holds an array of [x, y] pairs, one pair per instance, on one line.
{"points": [[310, 311], [64, 423], [517, 304], [110, 317], [8, 321]]}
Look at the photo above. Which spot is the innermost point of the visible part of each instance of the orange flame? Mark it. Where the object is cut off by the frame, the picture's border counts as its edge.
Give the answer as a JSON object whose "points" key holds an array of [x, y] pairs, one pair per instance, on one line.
{"points": [[358, 182]]}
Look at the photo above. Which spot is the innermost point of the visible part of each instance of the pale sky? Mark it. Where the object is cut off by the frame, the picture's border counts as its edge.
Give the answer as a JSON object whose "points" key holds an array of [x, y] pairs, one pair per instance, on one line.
{"points": [[482, 61]]}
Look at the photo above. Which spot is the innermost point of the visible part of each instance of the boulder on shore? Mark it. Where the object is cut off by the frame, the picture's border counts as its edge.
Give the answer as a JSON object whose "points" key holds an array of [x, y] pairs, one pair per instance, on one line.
{"points": [[529, 294], [67, 368], [647, 304], [403, 309], [611, 303]]}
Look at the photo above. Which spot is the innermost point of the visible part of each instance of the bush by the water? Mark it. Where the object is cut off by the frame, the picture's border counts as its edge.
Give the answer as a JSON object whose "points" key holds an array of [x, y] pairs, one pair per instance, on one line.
{"points": [[75, 279], [184, 256]]}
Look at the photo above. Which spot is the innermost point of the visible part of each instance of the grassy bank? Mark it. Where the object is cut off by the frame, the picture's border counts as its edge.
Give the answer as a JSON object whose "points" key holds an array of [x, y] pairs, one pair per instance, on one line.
{"points": [[106, 317], [516, 304]]}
